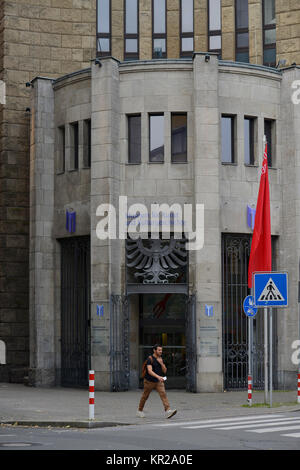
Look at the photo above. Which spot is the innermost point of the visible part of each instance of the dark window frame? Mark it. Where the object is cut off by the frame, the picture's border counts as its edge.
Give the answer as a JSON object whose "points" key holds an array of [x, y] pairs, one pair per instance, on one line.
{"points": [[149, 130], [100, 35], [131, 162], [268, 27], [75, 145], [62, 148], [241, 31], [252, 129], [271, 141], [214, 32], [186, 137], [233, 134], [87, 143], [186, 35], [159, 35], [132, 55]]}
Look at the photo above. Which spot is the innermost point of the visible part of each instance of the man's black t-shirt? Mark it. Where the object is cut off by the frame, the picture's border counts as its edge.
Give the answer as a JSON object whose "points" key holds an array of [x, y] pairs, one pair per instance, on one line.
{"points": [[156, 367]]}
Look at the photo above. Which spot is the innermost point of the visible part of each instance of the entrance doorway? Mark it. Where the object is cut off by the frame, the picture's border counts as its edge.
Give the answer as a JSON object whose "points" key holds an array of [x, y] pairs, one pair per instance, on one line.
{"points": [[75, 302], [162, 320]]}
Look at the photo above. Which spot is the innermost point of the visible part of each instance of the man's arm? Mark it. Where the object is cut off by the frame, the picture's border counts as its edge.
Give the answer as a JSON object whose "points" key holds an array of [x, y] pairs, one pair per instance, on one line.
{"points": [[163, 367]]}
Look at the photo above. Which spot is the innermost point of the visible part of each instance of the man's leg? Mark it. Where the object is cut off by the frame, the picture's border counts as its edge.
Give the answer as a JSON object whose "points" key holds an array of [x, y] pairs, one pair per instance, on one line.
{"points": [[148, 387], [160, 387]]}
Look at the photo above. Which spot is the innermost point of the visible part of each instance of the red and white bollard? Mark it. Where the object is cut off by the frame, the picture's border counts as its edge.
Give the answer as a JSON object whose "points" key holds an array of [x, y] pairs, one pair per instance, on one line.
{"points": [[298, 388], [91, 394], [249, 390]]}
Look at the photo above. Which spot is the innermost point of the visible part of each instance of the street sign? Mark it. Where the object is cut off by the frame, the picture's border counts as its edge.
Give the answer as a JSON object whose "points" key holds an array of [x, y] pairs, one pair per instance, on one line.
{"points": [[249, 308], [270, 289], [209, 310]]}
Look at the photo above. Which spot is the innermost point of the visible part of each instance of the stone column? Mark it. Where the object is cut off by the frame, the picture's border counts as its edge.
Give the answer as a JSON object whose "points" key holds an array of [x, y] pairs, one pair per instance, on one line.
{"points": [[289, 242], [255, 32], [228, 31], [208, 259], [42, 245], [105, 188]]}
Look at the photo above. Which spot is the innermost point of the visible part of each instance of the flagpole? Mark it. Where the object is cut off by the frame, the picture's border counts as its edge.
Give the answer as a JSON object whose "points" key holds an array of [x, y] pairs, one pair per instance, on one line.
{"points": [[266, 332]]}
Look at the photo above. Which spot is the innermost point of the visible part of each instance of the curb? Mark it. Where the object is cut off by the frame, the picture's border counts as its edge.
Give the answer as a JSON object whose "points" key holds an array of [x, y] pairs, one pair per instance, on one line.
{"points": [[69, 424]]}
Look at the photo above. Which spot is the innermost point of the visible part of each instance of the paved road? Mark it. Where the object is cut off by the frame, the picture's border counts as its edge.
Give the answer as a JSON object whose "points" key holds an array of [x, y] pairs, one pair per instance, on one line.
{"points": [[277, 431]]}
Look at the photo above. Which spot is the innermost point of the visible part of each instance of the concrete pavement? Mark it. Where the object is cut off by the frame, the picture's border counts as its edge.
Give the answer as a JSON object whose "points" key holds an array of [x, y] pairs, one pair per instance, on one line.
{"points": [[69, 407]]}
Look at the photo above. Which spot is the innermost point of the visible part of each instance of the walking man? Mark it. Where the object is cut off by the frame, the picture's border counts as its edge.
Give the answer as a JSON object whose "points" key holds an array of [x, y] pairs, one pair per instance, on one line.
{"points": [[154, 378]]}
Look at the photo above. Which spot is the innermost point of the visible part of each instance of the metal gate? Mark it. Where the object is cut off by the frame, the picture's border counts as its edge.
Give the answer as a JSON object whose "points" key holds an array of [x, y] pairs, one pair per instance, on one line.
{"points": [[235, 258], [119, 343], [75, 305], [191, 345]]}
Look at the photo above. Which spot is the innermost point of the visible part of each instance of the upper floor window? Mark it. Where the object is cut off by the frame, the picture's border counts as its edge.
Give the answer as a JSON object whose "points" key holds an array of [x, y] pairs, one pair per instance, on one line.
{"points": [[87, 143], [134, 138], [179, 137], [159, 29], [269, 32], [249, 140], [186, 27], [103, 27], [156, 138], [227, 139], [61, 162], [74, 145], [214, 26], [241, 31], [131, 37], [269, 128]]}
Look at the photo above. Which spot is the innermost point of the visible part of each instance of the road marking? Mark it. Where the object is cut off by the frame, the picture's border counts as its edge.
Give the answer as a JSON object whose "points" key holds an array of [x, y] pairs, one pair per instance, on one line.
{"points": [[271, 423], [284, 428], [296, 434], [245, 424], [216, 420]]}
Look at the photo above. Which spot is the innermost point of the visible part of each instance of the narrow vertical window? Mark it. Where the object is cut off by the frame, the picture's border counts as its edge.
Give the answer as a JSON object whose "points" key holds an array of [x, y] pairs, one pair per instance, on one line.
{"points": [[249, 126], [131, 35], [186, 27], [61, 149], [214, 26], [159, 29], [134, 139], [269, 32], [103, 27], [269, 128], [156, 138], [227, 139], [74, 145], [179, 138], [241, 31], [87, 141]]}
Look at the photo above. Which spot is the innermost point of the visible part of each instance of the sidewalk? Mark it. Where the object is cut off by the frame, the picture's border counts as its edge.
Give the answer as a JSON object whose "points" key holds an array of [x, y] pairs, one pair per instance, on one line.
{"points": [[69, 407]]}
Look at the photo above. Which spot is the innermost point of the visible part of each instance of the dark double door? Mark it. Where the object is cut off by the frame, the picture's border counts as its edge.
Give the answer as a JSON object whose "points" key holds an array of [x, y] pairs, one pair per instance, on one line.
{"points": [[75, 314]]}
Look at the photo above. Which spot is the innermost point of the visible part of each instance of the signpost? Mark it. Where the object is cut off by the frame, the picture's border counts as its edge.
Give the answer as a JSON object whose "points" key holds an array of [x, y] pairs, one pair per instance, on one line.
{"points": [[270, 290], [250, 310]]}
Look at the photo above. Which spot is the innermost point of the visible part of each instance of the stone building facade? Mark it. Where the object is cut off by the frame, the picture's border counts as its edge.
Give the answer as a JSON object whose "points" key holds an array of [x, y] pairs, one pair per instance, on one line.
{"points": [[50, 38]]}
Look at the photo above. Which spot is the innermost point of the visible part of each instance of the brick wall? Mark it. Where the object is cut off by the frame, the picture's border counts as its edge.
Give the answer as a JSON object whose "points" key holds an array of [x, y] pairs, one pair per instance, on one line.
{"points": [[38, 37]]}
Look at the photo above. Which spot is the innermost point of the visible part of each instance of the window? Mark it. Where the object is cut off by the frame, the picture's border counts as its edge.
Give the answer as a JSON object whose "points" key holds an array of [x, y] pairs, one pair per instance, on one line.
{"points": [[156, 138], [186, 27], [241, 31], [269, 32], [227, 139], [214, 26], [159, 28], [134, 139], [269, 133], [103, 27], [249, 136], [74, 145], [131, 29], [61, 164], [179, 138], [87, 149]]}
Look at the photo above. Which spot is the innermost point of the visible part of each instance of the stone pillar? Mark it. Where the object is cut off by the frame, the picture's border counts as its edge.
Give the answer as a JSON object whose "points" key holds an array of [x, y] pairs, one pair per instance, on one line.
{"points": [[208, 259], [228, 31], [201, 24], [255, 32], [42, 245], [289, 242], [105, 188]]}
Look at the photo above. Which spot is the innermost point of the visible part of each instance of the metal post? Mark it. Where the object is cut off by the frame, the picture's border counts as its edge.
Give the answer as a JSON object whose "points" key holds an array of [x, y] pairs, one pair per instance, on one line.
{"points": [[249, 364], [271, 354], [91, 394], [266, 352]]}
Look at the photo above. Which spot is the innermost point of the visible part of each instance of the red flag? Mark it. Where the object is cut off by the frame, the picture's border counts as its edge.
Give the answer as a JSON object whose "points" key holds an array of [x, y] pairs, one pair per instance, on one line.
{"points": [[261, 252]]}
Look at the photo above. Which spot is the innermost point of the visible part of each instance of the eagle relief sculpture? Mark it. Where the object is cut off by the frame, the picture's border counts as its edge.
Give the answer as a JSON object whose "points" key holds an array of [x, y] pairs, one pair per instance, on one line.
{"points": [[156, 261]]}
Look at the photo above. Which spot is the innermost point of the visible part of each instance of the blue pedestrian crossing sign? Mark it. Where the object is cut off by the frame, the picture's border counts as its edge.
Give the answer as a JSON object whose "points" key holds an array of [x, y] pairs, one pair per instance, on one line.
{"points": [[249, 307], [270, 289]]}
